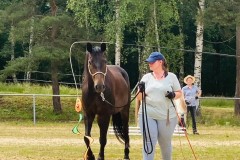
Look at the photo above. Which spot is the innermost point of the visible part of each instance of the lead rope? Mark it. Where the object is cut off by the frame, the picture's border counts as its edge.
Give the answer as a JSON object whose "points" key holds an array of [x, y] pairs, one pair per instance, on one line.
{"points": [[145, 126], [78, 106], [185, 132]]}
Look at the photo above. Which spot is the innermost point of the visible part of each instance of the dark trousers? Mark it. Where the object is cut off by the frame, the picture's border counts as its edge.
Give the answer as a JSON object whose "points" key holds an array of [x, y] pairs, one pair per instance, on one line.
{"points": [[192, 110]]}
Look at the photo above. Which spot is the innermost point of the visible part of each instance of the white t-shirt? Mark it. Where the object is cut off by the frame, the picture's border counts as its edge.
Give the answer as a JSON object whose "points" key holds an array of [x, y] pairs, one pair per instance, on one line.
{"points": [[157, 104]]}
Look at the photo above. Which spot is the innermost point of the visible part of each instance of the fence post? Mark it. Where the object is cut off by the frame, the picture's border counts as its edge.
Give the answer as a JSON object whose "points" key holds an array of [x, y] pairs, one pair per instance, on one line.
{"points": [[34, 109]]}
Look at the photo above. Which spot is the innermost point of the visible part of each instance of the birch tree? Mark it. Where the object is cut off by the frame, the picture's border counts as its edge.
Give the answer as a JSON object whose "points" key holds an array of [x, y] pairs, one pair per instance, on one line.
{"points": [[116, 15], [19, 33], [31, 40], [118, 27], [156, 25], [199, 43], [160, 18], [12, 40]]}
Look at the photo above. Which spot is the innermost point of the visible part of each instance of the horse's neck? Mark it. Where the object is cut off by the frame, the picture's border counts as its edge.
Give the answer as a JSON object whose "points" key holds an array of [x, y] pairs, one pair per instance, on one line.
{"points": [[87, 78]]}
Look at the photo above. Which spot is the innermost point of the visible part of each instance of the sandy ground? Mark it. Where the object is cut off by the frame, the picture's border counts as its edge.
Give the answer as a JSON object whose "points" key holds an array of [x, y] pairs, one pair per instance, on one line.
{"points": [[111, 141]]}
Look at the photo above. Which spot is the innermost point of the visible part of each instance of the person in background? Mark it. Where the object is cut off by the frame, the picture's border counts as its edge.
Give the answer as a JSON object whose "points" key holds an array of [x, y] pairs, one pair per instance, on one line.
{"points": [[191, 94], [160, 119]]}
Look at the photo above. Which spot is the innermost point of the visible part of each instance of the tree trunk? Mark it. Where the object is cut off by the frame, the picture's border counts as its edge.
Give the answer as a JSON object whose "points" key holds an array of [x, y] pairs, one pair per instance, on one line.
{"points": [[14, 77], [139, 62], [156, 25], [199, 48], [118, 35], [199, 45], [181, 60], [57, 108], [237, 91], [28, 74]]}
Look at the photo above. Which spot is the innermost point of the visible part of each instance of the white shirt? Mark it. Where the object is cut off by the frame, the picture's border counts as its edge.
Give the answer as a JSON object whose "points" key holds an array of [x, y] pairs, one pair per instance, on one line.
{"points": [[157, 104]]}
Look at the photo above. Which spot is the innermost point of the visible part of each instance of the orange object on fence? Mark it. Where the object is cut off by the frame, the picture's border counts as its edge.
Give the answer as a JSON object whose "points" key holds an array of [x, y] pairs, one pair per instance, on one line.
{"points": [[78, 105]]}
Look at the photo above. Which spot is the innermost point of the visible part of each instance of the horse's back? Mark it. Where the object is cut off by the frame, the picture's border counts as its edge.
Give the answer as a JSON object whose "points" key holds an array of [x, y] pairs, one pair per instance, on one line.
{"points": [[118, 70]]}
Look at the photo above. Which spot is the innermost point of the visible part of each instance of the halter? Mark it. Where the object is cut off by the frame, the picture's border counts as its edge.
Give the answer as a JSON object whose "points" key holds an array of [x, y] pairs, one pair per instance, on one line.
{"points": [[93, 74]]}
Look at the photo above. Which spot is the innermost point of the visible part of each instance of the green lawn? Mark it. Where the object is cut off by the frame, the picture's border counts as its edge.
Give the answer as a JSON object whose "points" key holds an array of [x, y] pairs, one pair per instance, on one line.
{"points": [[51, 138], [55, 141]]}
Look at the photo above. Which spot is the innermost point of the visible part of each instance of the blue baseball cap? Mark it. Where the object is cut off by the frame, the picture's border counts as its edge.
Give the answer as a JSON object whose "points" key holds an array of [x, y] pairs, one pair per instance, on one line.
{"points": [[154, 56]]}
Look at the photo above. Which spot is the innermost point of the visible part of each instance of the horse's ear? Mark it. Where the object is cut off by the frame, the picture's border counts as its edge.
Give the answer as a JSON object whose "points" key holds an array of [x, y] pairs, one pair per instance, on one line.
{"points": [[89, 47], [103, 47]]}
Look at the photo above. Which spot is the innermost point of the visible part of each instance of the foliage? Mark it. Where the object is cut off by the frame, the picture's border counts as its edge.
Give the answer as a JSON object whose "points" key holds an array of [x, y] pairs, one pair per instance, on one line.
{"points": [[222, 12], [96, 20], [13, 67], [47, 47]]}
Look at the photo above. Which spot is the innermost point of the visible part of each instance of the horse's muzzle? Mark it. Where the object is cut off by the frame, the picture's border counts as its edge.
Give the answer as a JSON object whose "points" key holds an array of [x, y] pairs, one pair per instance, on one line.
{"points": [[99, 88]]}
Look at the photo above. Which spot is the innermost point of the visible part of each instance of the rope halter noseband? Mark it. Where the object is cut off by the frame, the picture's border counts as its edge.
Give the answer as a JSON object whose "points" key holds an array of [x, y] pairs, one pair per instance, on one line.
{"points": [[93, 74]]}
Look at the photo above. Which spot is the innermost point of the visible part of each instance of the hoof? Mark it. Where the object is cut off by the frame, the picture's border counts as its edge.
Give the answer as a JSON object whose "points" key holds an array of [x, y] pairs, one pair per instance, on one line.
{"points": [[100, 158], [89, 158]]}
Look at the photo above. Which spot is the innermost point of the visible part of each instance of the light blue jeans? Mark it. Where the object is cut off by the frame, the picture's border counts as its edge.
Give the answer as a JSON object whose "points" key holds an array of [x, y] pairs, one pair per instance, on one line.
{"points": [[161, 132]]}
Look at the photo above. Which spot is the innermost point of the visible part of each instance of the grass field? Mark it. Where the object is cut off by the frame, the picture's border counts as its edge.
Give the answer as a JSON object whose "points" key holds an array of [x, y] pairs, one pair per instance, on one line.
{"points": [[52, 139], [55, 141]]}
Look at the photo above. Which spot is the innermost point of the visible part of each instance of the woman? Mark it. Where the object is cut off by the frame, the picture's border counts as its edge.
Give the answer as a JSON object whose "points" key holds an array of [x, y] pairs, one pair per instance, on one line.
{"points": [[191, 94], [160, 118]]}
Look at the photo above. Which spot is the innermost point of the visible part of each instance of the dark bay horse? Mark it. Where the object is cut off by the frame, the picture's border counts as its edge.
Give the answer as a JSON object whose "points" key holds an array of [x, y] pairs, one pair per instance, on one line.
{"points": [[105, 93]]}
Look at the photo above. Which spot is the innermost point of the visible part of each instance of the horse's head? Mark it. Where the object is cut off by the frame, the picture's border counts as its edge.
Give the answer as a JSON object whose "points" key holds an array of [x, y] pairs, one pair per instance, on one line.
{"points": [[97, 66]]}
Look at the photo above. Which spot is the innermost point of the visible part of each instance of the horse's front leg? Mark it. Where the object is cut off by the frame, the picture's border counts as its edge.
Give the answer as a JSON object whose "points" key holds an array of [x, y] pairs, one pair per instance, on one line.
{"points": [[88, 120], [103, 123]]}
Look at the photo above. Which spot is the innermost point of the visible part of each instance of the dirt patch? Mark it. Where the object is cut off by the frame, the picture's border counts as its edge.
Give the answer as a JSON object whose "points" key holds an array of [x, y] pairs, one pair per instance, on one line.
{"points": [[111, 141]]}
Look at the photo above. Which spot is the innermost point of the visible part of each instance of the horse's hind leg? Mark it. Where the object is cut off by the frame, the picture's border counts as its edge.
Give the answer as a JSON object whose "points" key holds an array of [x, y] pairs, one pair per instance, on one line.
{"points": [[103, 123], [88, 120], [125, 120]]}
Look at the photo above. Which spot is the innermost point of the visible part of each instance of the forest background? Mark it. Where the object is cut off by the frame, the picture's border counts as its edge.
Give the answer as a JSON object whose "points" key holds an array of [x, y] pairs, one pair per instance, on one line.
{"points": [[36, 36]]}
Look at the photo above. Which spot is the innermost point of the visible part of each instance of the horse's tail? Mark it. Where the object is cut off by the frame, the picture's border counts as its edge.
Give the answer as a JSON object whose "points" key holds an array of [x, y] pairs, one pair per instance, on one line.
{"points": [[118, 127]]}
